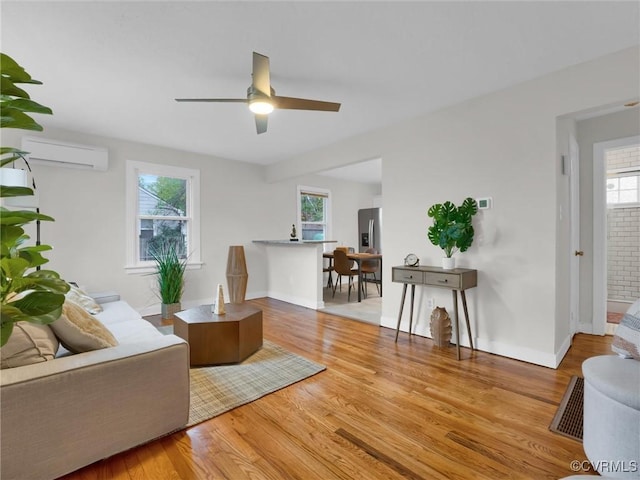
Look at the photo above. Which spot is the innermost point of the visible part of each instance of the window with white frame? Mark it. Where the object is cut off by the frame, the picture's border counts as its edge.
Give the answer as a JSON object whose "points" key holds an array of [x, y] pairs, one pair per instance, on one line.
{"points": [[623, 188], [163, 206], [314, 206]]}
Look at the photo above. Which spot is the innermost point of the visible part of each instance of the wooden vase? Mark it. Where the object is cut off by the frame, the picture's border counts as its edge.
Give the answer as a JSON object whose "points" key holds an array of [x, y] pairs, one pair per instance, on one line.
{"points": [[237, 275], [440, 326]]}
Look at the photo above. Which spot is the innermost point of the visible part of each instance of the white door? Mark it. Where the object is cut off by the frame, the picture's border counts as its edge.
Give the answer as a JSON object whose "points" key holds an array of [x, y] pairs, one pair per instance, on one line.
{"points": [[576, 253]]}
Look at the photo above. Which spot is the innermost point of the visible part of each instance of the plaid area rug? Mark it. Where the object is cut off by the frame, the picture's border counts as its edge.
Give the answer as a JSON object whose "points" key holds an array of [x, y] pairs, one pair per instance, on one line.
{"points": [[218, 389]]}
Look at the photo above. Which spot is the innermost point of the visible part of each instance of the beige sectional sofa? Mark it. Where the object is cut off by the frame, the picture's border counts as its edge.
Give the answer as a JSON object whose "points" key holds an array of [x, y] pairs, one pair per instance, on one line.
{"points": [[60, 415]]}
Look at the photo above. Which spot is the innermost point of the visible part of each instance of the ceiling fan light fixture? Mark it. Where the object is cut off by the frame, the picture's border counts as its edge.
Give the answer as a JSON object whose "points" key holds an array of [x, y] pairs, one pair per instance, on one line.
{"points": [[261, 107]]}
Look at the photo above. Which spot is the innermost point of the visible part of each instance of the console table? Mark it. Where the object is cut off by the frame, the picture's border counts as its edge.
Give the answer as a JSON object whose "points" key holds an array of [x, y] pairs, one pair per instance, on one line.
{"points": [[456, 280]]}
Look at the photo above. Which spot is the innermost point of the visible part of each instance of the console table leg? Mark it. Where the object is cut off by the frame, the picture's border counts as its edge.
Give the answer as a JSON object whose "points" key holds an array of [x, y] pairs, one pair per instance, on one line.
{"points": [[404, 294], [466, 317], [455, 314], [413, 294]]}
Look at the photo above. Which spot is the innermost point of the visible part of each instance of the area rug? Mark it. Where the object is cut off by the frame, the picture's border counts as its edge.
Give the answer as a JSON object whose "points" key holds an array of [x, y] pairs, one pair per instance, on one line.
{"points": [[568, 418]]}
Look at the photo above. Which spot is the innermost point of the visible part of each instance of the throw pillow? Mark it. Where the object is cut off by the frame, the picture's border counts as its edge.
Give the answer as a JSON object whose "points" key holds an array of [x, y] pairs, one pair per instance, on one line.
{"points": [[626, 341], [29, 343], [79, 331], [85, 301]]}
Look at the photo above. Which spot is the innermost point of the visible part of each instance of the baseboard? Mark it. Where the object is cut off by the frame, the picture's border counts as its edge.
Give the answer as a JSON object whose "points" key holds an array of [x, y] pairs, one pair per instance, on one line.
{"points": [[300, 301], [524, 354]]}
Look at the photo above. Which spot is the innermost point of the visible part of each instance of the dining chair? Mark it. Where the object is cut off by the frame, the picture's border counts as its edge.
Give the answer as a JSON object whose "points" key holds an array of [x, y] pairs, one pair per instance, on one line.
{"points": [[342, 265], [329, 269], [370, 267]]}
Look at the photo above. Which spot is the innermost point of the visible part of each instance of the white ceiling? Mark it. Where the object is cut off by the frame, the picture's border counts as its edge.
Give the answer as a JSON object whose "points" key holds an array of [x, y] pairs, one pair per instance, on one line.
{"points": [[114, 68]]}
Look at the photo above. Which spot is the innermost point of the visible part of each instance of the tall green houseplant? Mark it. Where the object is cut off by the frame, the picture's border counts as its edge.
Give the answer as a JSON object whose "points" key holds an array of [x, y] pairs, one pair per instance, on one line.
{"points": [[26, 292], [170, 268], [452, 228]]}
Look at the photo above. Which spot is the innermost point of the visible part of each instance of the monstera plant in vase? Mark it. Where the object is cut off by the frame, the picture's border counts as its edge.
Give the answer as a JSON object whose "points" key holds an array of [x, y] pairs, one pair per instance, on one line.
{"points": [[452, 228]]}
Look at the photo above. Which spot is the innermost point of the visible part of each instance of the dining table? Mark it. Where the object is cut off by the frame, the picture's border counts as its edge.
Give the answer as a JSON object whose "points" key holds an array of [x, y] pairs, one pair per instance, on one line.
{"points": [[358, 257]]}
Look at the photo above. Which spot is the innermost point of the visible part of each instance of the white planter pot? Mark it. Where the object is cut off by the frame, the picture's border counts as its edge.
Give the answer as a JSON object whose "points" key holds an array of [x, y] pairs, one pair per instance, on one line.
{"points": [[448, 263]]}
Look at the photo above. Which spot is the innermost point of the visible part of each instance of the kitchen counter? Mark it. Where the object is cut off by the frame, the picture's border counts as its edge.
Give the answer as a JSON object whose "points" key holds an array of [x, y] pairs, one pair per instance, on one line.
{"points": [[289, 242], [294, 275]]}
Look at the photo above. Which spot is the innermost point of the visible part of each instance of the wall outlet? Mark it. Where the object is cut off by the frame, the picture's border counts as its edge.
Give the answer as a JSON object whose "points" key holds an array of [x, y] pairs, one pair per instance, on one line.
{"points": [[431, 303]]}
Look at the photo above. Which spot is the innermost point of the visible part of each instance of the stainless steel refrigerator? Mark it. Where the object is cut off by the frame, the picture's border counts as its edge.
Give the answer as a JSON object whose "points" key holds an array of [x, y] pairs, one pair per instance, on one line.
{"points": [[370, 229], [370, 233]]}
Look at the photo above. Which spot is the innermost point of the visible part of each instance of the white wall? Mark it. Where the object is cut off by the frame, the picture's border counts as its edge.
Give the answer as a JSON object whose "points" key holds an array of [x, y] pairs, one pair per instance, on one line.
{"points": [[237, 206], [501, 145]]}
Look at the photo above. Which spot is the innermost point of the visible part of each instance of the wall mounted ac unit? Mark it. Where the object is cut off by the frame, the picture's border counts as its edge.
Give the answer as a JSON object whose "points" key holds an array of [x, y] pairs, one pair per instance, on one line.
{"points": [[55, 153]]}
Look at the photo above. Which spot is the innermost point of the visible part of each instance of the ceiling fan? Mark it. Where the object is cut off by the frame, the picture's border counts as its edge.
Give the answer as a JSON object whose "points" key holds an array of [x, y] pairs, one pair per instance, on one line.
{"points": [[262, 98]]}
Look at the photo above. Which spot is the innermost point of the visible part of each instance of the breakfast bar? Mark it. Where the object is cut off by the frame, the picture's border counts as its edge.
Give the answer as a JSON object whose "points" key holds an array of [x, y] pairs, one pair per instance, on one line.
{"points": [[294, 271]]}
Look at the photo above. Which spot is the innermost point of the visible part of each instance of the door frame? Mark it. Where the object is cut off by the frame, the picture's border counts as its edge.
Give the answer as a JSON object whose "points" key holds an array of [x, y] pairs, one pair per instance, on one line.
{"points": [[599, 319], [574, 262]]}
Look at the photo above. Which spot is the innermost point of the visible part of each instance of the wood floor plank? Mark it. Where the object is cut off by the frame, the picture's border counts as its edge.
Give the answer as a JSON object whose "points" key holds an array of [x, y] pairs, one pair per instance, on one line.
{"points": [[381, 410]]}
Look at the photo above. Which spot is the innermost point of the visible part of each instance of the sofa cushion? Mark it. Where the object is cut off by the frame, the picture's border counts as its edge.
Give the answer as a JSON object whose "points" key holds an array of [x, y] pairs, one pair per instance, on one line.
{"points": [[29, 343], [79, 297], [626, 341], [79, 331], [114, 312], [133, 331]]}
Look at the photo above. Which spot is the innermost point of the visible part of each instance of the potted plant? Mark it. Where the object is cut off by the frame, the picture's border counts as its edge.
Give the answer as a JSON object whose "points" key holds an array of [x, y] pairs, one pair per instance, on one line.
{"points": [[170, 268], [27, 293], [452, 229]]}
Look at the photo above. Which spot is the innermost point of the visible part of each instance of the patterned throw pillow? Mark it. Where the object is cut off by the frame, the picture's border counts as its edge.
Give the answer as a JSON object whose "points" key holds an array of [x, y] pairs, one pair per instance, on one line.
{"points": [[79, 297], [626, 341]]}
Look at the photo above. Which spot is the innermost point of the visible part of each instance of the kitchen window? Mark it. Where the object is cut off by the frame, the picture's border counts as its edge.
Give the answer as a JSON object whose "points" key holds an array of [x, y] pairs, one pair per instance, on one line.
{"points": [[314, 206], [162, 206]]}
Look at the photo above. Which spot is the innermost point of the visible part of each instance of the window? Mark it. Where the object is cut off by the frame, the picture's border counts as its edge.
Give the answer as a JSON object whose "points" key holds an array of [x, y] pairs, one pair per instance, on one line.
{"points": [[313, 213], [162, 206], [623, 189]]}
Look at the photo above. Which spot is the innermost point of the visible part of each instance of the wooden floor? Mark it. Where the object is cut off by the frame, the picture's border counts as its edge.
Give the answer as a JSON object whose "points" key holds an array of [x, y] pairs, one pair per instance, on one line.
{"points": [[380, 410]]}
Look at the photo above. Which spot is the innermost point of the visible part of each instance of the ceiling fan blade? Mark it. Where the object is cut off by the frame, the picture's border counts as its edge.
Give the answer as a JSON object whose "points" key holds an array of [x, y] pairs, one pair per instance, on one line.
{"points": [[303, 104], [234, 100], [261, 123], [261, 75]]}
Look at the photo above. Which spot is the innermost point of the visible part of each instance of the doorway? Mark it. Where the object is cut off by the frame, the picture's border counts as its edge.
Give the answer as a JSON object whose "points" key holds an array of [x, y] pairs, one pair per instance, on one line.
{"points": [[616, 230]]}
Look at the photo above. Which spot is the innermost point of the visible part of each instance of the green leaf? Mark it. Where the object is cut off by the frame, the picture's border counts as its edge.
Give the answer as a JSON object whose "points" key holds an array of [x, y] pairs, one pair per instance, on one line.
{"points": [[12, 118], [470, 206], [33, 257], [21, 217], [448, 210], [6, 192], [10, 235], [44, 284], [40, 307], [17, 151], [14, 155], [8, 88], [26, 105], [14, 72], [14, 268], [434, 211], [6, 328]]}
